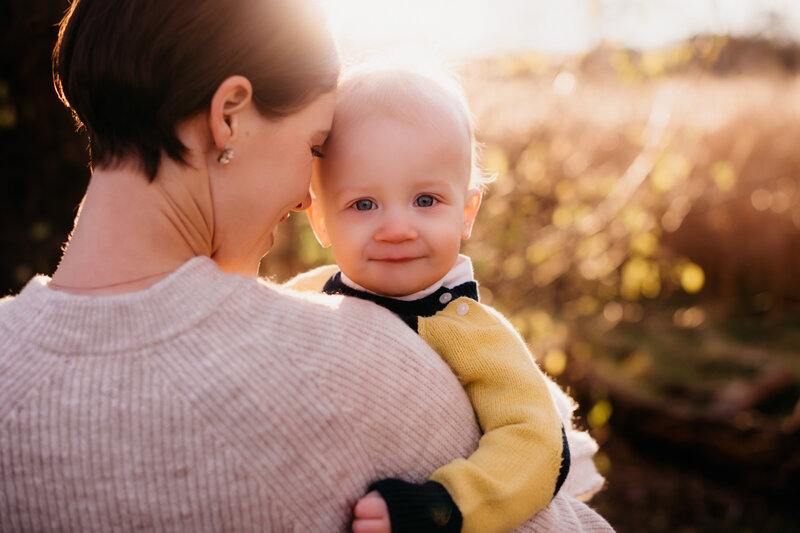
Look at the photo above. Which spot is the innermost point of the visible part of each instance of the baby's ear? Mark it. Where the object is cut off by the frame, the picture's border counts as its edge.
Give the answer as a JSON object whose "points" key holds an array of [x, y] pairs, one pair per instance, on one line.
{"points": [[471, 211], [318, 223]]}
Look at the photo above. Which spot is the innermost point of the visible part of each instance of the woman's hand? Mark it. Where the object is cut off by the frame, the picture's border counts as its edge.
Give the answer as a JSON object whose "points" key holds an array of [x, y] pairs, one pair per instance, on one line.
{"points": [[371, 515]]}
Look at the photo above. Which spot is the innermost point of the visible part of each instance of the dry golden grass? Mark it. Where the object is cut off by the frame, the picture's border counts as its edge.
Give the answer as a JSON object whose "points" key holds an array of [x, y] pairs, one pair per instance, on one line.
{"points": [[665, 171]]}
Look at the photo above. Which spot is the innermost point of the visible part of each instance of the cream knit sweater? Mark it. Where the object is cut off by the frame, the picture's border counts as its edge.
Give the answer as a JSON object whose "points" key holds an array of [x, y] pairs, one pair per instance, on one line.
{"points": [[214, 402]]}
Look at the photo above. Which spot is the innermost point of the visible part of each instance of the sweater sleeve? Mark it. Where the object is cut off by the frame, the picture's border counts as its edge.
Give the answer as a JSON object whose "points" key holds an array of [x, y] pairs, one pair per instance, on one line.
{"points": [[515, 471]]}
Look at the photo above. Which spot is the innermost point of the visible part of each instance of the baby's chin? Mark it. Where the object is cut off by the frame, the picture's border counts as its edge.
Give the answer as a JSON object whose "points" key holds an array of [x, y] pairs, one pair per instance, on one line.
{"points": [[395, 290]]}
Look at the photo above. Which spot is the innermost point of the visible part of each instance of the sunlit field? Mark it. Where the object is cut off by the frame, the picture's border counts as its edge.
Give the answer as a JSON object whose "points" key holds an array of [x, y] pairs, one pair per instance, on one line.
{"points": [[642, 232]]}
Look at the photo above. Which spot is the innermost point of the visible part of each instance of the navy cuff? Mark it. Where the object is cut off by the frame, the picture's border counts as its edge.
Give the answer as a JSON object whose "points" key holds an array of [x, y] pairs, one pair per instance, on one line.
{"points": [[415, 508]]}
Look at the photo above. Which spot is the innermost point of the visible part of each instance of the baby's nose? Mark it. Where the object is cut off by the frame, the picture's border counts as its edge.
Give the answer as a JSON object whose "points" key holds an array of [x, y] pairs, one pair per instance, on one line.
{"points": [[396, 229]]}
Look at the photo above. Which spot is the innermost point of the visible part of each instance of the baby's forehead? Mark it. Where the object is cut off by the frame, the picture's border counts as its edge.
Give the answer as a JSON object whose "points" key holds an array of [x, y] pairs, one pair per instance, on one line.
{"points": [[380, 150], [444, 130]]}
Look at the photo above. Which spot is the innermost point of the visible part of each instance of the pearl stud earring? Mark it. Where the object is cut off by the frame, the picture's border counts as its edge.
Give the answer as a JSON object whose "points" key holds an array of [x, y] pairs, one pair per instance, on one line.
{"points": [[225, 157]]}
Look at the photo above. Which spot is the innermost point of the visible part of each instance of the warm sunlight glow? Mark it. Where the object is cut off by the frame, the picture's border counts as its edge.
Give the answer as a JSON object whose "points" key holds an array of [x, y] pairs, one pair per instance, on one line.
{"points": [[439, 27], [481, 28]]}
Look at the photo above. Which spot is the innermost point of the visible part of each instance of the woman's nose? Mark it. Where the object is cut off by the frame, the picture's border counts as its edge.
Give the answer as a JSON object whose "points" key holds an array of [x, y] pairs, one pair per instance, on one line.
{"points": [[302, 206], [396, 229]]}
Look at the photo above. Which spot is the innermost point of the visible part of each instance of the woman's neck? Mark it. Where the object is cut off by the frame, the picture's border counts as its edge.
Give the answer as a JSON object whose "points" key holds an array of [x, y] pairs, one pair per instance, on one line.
{"points": [[130, 233]]}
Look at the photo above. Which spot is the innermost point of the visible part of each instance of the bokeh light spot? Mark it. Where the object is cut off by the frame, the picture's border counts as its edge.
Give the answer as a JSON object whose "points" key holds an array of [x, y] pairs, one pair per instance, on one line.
{"points": [[761, 199], [599, 414], [644, 244], [495, 161], [692, 278], [602, 462], [555, 362], [514, 266], [562, 217], [724, 175]]}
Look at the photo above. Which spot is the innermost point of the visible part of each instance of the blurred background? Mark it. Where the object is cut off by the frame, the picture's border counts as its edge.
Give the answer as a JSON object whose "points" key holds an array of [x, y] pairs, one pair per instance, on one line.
{"points": [[643, 232]]}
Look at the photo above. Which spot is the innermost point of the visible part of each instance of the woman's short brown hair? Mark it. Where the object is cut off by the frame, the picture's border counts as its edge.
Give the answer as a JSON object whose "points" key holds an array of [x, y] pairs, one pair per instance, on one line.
{"points": [[130, 70]]}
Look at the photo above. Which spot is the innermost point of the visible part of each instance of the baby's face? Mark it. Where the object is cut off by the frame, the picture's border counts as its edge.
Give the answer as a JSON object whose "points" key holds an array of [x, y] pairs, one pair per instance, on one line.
{"points": [[393, 201]]}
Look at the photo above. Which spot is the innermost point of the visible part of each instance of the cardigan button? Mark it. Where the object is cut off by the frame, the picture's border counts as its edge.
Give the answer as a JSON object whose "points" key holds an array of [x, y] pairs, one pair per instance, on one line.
{"points": [[462, 309], [446, 297]]}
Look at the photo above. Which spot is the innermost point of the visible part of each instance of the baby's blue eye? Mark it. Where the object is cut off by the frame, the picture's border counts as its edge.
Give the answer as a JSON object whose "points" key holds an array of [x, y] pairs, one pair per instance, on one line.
{"points": [[425, 200], [364, 205]]}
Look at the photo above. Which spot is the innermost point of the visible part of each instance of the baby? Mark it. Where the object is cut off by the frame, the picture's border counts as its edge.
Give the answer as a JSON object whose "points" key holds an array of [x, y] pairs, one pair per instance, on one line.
{"points": [[396, 189]]}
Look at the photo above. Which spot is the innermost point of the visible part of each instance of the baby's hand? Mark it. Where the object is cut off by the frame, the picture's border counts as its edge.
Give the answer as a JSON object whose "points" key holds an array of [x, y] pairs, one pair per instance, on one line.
{"points": [[371, 515]]}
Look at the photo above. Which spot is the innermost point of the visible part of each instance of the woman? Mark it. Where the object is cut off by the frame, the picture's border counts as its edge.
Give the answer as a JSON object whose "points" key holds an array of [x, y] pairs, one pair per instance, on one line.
{"points": [[154, 383]]}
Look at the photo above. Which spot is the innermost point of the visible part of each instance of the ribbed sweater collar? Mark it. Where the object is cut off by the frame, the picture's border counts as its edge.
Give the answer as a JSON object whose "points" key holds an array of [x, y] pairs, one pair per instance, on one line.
{"points": [[79, 324]]}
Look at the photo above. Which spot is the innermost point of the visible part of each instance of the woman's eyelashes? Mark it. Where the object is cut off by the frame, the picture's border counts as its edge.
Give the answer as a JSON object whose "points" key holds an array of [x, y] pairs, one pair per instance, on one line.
{"points": [[315, 152]]}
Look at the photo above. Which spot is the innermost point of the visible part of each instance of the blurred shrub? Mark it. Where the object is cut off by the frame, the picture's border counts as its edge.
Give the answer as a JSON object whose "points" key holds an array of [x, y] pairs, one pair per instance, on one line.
{"points": [[666, 175]]}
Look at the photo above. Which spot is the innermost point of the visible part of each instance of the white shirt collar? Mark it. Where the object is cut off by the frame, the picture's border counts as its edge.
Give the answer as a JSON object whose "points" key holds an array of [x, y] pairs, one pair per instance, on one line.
{"points": [[460, 273]]}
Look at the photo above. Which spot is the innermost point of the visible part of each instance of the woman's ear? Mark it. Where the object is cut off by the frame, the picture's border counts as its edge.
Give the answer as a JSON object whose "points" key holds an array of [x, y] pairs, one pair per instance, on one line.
{"points": [[317, 220], [233, 96], [471, 211]]}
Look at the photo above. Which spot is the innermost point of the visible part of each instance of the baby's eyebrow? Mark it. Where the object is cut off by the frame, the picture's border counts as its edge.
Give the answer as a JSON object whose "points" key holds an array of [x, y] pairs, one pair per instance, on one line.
{"points": [[346, 195]]}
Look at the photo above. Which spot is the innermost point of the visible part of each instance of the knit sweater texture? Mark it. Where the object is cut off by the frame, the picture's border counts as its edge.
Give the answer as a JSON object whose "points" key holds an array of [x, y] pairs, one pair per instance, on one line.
{"points": [[215, 402]]}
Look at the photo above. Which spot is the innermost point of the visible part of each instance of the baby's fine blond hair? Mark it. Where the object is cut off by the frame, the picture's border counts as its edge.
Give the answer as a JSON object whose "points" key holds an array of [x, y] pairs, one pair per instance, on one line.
{"points": [[419, 94]]}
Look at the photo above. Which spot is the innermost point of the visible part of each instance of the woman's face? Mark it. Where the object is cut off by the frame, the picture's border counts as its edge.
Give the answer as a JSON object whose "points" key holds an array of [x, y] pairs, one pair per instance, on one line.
{"points": [[268, 177]]}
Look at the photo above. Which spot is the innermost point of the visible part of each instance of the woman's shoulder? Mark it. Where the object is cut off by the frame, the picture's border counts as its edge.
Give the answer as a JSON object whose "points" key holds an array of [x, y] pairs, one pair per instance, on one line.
{"points": [[346, 346], [298, 306], [312, 280]]}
